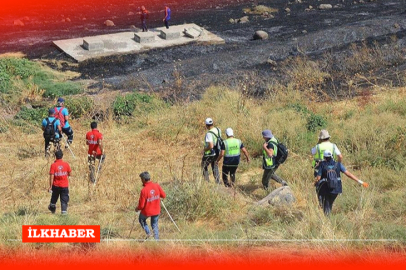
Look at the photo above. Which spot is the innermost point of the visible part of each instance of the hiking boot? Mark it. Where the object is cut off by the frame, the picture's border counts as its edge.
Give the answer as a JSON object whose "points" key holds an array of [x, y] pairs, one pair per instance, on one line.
{"points": [[52, 208], [284, 184], [64, 213]]}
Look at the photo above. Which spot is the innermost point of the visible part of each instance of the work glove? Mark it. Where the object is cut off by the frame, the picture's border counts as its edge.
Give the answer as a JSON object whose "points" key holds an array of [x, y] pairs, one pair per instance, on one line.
{"points": [[364, 184]]}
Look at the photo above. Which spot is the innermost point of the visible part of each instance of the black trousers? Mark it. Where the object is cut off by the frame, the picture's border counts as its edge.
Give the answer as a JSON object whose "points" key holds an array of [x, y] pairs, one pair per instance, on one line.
{"points": [[325, 197], [69, 133], [144, 26], [48, 141], [229, 170], [166, 24], [63, 193]]}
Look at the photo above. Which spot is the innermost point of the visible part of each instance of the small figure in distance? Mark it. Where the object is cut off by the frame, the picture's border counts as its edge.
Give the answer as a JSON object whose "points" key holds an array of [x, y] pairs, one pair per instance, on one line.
{"points": [[52, 128], [167, 16]]}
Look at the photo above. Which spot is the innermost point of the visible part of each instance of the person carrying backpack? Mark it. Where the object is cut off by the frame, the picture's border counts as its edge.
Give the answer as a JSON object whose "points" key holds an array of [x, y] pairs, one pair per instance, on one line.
{"points": [[231, 151], [51, 127], [211, 151], [322, 145], [328, 182], [269, 164], [63, 115]]}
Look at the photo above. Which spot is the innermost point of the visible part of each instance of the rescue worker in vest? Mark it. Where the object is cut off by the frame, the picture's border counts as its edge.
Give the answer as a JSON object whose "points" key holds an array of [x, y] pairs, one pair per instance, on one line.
{"points": [[325, 194], [96, 149], [269, 152], [150, 204], [167, 16], [54, 138], [59, 174], [209, 152], [63, 115], [231, 151], [322, 145]]}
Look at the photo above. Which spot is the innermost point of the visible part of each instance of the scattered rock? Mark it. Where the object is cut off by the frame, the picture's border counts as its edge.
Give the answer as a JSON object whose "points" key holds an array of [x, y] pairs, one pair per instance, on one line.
{"points": [[310, 7], [325, 6], [260, 35], [272, 62], [304, 31], [231, 20], [287, 10], [244, 19], [18, 23], [192, 32], [396, 25], [108, 23], [278, 197]]}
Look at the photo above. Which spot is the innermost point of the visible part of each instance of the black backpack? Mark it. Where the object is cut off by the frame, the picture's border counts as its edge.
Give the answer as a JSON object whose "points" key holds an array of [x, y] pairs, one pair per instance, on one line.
{"points": [[333, 181], [282, 154], [217, 146], [49, 131]]}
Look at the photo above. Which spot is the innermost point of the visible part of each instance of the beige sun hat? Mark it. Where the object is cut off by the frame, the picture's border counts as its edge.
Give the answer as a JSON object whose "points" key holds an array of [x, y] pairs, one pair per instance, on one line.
{"points": [[324, 135]]}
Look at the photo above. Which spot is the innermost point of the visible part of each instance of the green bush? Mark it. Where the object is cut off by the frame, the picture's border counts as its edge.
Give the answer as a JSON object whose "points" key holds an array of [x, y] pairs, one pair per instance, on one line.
{"points": [[32, 115], [57, 89], [79, 106], [128, 104], [14, 67], [315, 122]]}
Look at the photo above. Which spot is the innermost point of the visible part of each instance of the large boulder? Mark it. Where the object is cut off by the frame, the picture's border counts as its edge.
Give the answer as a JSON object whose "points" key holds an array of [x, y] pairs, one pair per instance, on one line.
{"points": [[260, 35], [108, 23], [325, 6], [18, 23], [278, 197]]}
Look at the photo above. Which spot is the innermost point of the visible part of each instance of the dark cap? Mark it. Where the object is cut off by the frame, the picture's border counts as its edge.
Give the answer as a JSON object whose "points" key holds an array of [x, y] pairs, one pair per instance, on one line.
{"points": [[60, 100], [59, 154], [145, 176], [51, 111]]}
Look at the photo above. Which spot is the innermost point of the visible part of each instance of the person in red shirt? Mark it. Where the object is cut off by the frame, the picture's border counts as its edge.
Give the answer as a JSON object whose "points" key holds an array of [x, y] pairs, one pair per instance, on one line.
{"points": [[96, 151], [59, 174], [150, 204]]}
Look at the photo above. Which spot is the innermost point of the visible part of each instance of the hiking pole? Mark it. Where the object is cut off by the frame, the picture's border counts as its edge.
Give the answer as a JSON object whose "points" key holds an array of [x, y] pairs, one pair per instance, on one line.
{"points": [[170, 216], [66, 141], [98, 169]]}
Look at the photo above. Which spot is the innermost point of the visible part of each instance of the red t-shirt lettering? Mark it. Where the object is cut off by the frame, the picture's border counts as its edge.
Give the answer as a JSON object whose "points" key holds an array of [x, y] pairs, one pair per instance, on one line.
{"points": [[60, 170], [92, 138], [150, 199]]}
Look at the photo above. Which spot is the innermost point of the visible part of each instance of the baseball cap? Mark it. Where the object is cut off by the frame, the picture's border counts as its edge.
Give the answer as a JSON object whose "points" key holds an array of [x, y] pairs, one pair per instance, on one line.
{"points": [[145, 176], [209, 121], [267, 134], [324, 134], [51, 111], [229, 132], [327, 153], [60, 100]]}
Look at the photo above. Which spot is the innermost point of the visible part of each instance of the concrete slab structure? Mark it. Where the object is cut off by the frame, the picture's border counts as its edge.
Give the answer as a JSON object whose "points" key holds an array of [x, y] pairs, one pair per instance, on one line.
{"points": [[170, 34], [85, 48], [92, 44], [144, 37]]}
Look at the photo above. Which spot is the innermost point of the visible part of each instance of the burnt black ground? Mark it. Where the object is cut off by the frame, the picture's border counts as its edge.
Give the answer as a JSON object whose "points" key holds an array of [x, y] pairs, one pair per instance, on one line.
{"points": [[199, 65]]}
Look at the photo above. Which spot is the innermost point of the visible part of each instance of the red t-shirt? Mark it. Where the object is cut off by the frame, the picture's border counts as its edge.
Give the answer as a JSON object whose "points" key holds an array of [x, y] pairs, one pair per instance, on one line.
{"points": [[60, 169], [150, 199], [92, 138]]}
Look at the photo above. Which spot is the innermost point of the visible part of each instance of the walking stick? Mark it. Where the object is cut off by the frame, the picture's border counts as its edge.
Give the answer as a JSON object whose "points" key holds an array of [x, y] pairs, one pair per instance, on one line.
{"points": [[170, 216], [66, 141], [98, 169]]}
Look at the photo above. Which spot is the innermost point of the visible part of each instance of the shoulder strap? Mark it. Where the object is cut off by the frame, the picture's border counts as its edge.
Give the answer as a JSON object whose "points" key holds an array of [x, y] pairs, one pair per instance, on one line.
{"points": [[214, 134], [53, 122], [47, 119], [318, 150]]}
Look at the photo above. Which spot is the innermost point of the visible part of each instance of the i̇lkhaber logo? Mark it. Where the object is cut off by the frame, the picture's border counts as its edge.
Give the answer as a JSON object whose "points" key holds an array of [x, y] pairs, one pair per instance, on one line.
{"points": [[61, 233]]}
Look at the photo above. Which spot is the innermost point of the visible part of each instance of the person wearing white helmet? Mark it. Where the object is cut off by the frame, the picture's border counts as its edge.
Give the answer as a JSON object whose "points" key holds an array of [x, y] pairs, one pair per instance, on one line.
{"points": [[231, 149], [211, 150], [328, 182]]}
